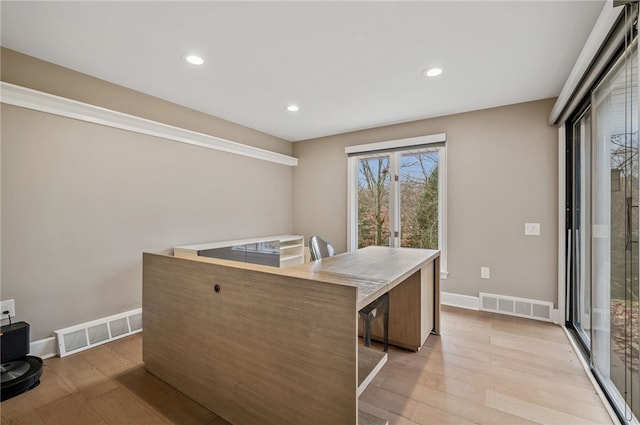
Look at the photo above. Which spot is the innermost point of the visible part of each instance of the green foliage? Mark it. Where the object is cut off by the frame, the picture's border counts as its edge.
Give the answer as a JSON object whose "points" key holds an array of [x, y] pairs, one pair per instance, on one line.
{"points": [[425, 234]]}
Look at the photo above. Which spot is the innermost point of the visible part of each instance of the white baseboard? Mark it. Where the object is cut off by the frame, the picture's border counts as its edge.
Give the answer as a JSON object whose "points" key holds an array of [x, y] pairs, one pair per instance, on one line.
{"points": [[44, 348], [462, 301]]}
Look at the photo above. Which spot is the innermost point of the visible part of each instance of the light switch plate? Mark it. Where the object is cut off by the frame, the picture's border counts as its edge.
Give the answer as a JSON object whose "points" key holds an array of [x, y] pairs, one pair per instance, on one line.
{"points": [[532, 229], [485, 272]]}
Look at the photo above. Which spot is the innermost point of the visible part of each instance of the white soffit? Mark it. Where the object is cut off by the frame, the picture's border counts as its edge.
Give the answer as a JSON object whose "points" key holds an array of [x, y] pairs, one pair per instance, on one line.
{"points": [[11, 94]]}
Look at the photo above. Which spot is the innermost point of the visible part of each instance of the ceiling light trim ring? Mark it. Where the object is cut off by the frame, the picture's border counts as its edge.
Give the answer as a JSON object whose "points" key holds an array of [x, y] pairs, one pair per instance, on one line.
{"points": [[432, 72], [193, 59]]}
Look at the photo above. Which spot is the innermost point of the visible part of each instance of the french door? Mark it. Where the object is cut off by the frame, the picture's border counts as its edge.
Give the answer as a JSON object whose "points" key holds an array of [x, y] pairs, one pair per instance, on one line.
{"points": [[374, 201], [399, 199]]}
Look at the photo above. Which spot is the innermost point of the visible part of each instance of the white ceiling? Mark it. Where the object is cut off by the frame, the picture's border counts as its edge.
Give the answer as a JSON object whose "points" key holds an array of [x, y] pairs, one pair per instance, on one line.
{"points": [[348, 65]]}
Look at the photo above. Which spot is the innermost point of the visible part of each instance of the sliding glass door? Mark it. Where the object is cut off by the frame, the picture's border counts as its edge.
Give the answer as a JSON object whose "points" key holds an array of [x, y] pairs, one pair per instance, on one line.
{"points": [[615, 234], [603, 222]]}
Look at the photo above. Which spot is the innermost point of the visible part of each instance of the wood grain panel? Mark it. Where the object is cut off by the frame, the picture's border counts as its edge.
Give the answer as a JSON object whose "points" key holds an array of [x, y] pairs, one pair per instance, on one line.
{"points": [[233, 351], [412, 312], [436, 295], [374, 269], [426, 303], [404, 314]]}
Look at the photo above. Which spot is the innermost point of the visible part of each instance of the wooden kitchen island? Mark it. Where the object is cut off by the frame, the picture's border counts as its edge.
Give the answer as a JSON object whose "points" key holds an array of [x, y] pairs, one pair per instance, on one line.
{"points": [[263, 345]]}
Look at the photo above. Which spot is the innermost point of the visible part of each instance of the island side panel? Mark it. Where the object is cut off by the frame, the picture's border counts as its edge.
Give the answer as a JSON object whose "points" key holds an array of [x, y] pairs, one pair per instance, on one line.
{"points": [[427, 294], [266, 349], [414, 309], [405, 304]]}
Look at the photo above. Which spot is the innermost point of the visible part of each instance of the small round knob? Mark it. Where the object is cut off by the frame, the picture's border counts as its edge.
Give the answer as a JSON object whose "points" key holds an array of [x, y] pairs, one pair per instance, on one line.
{"points": [[216, 288]]}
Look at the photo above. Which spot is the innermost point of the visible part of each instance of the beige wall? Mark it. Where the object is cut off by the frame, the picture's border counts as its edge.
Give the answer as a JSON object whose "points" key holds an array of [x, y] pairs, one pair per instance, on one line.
{"points": [[502, 172], [81, 202], [44, 76]]}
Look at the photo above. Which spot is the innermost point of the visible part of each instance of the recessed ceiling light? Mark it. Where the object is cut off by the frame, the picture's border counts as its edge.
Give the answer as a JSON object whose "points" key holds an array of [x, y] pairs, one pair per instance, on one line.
{"points": [[194, 59], [432, 72], [293, 108]]}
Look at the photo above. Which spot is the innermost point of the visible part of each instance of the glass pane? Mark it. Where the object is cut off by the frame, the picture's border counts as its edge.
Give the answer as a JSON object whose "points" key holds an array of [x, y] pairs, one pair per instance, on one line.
{"points": [[615, 236], [374, 180], [581, 279], [419, 200]]}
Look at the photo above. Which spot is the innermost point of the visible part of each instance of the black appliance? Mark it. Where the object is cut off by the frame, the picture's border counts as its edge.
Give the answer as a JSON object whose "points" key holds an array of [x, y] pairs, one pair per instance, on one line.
{"points": [[19, 371]]}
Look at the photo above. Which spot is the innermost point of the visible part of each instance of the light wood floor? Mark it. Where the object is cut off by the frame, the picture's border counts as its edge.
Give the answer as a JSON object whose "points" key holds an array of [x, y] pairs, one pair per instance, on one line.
{"points": [[484, 368]]}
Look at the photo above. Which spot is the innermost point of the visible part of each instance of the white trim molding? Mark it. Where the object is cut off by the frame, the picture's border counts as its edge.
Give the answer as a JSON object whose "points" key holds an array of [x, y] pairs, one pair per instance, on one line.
{"points": [[462, 301], [562, 231], [44, 348], [394, 149], [395, 144], [23, 97], [352, 202], [443, 178]]}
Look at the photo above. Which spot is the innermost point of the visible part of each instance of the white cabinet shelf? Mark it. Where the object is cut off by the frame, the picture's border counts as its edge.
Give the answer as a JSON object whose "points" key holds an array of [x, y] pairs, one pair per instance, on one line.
{"points": [[277, 251], [288, 257], [291, 251]]}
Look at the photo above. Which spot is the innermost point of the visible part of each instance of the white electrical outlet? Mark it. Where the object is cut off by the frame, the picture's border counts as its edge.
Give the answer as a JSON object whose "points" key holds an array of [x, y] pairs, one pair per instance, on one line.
{"points": [[485, 272], [7, 305]]}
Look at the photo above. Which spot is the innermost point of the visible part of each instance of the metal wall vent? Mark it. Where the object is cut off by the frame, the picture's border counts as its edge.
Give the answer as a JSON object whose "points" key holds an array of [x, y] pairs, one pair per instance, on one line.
{"points": [[96, 334], [521, 307], [87, 335], [75, 340]]}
